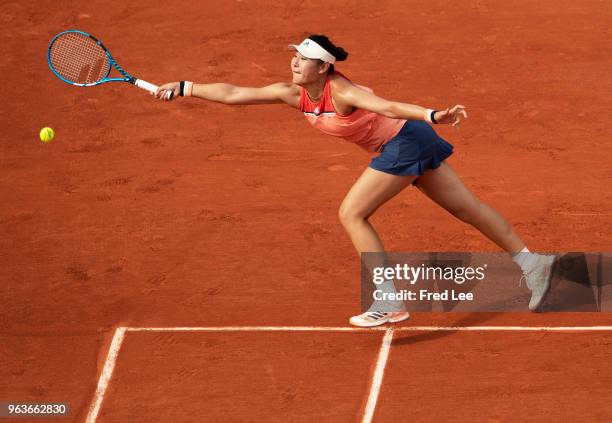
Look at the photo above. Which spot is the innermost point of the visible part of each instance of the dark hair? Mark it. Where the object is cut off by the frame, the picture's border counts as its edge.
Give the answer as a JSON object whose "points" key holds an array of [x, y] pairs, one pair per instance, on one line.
{"points": [[338, 52]]}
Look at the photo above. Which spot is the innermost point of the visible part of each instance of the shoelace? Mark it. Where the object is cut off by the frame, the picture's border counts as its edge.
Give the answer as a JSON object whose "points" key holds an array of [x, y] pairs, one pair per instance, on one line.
{"points": [[524, 277]]}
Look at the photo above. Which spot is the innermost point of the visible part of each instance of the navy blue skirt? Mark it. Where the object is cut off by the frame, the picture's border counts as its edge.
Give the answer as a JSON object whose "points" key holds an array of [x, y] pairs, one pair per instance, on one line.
{"points": [[412, 151]]}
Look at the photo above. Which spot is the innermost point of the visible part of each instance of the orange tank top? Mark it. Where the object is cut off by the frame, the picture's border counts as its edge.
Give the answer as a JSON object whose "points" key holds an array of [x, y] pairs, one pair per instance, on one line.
{"points": [[367, 129]]}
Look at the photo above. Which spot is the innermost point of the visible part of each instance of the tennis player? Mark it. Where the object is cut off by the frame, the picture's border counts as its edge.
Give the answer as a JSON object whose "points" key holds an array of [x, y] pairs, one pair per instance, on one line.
{"points": [[409, 152]]}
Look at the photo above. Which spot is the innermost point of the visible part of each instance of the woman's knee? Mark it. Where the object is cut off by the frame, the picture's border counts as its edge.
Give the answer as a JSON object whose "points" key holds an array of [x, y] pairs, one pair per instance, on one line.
{"points": [[349, 215]]}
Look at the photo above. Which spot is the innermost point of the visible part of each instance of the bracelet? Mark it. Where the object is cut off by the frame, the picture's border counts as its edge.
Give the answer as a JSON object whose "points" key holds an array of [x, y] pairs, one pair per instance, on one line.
{"points": [[433, 114], [188, 88], [429, 116], [185, 88]]}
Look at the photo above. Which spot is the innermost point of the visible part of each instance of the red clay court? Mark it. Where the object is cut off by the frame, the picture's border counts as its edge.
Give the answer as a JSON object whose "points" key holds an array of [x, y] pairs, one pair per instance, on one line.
{"points": [[183, 262]]}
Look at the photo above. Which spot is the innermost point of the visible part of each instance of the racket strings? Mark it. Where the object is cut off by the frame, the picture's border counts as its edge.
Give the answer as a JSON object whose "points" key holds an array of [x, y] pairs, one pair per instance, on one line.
{"points": [[79, 59]]}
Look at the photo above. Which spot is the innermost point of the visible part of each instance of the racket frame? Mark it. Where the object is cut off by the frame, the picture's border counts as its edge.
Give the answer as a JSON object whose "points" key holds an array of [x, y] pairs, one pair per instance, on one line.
{"points": [[126, 76]]}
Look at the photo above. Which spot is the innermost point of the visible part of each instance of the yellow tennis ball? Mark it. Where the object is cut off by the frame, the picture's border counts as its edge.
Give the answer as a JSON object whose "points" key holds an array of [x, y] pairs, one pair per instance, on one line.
{"points": [[47, 134]]}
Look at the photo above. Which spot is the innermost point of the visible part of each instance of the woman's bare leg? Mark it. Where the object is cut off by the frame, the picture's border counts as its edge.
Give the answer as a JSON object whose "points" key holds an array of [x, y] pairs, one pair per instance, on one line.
{"points": [[372, 189], [444, 187]]}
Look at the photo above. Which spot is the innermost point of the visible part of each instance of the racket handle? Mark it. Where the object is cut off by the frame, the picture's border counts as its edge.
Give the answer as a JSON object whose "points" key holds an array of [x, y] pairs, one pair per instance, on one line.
{"points": [[150, 87]]}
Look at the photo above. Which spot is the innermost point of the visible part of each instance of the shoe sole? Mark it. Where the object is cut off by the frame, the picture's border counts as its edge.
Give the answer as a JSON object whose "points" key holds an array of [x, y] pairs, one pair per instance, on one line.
{"points": [[398, 319], [369, 324], [548, 284]]}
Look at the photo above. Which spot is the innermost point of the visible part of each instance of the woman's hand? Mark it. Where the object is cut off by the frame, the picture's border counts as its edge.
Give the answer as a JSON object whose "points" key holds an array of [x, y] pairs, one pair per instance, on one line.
{"points": [[452, 116], [170, 87]]}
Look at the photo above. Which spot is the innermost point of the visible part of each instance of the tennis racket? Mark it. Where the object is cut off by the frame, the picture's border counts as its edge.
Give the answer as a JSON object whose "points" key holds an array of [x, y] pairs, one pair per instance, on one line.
{"points": [[80, 59]]}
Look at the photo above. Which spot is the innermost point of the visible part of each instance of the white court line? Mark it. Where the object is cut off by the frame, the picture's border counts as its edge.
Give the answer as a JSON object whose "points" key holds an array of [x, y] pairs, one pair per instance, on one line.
{"points": [[506, 328], [378, 376], [255, 329], [378, 328], [105, 376]]}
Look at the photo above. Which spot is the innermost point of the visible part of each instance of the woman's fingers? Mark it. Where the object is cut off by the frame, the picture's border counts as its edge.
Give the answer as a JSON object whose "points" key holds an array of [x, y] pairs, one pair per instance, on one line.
{"points": [[160, 93], [163, 94], [452, 115], [458, 111]]}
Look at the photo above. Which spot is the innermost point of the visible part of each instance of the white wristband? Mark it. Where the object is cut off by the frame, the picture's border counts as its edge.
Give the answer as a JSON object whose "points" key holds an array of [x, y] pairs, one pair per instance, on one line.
{"points": [[427, 115], [188, 88]]}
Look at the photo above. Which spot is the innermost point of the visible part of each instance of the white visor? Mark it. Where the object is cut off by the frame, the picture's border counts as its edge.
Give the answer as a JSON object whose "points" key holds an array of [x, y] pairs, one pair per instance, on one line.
{"points": [[312, 50]]}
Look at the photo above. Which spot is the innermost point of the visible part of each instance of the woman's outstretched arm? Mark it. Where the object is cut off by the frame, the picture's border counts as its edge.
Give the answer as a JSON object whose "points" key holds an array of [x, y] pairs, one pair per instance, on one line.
{"points": [[282, 92], [351, 95]]}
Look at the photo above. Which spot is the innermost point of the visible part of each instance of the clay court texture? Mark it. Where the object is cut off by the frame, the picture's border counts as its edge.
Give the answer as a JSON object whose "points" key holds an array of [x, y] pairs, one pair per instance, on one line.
{"points": [[158, 260]]}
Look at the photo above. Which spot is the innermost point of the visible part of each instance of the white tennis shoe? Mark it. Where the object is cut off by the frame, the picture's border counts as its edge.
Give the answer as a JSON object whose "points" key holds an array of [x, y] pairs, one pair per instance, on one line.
{"points": [[538, 280], [377, 318]]}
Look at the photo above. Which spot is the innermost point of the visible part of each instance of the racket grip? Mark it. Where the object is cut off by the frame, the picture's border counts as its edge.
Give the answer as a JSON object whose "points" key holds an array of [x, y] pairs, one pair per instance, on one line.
{"points": [[150, 87]]}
